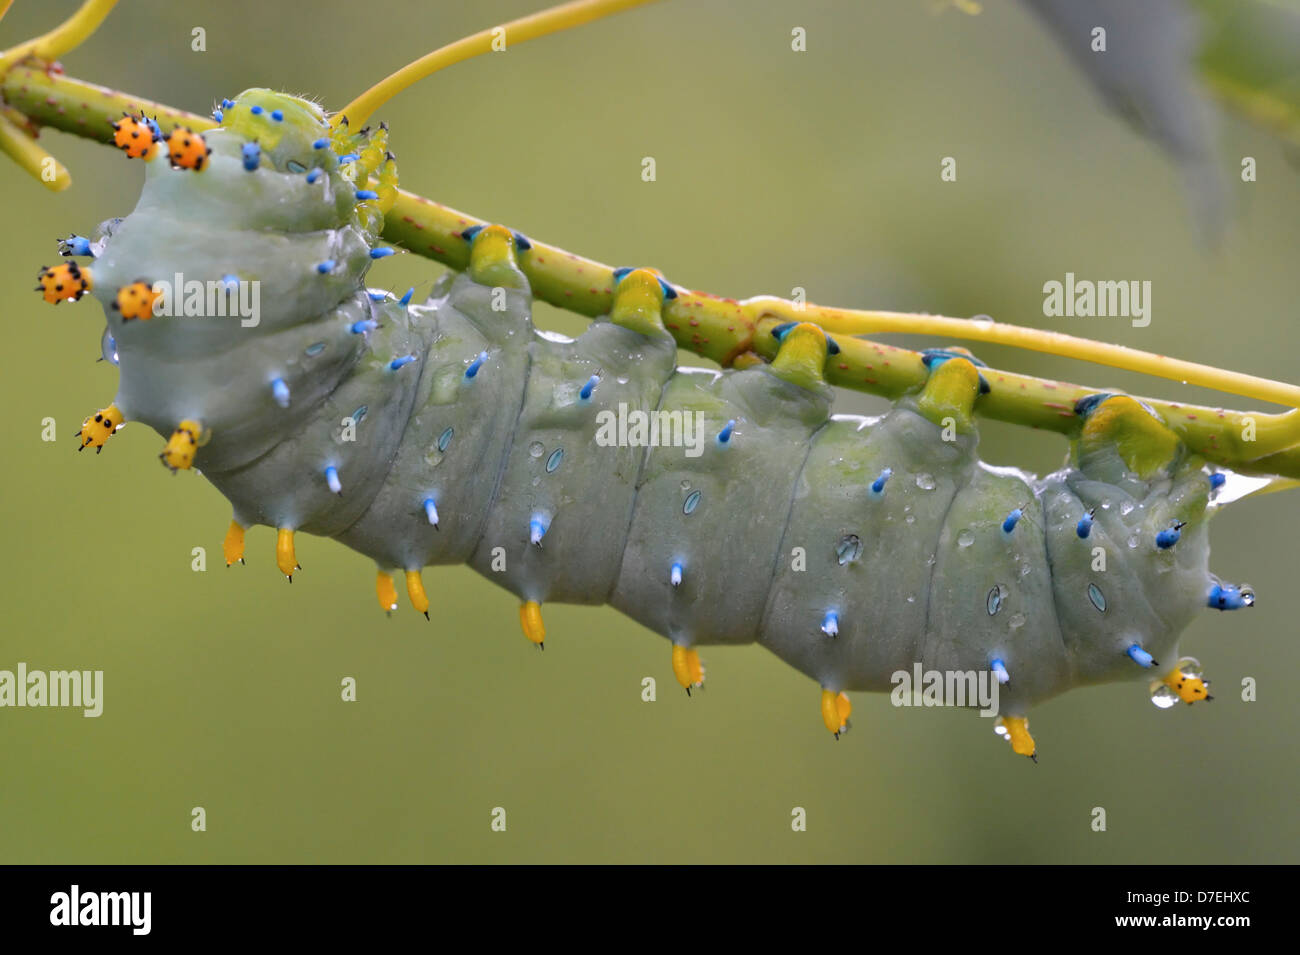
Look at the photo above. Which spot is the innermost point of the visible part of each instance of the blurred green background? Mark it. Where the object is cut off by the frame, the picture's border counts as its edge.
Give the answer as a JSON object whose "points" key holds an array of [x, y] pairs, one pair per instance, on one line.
{"points": [[775, 170]]}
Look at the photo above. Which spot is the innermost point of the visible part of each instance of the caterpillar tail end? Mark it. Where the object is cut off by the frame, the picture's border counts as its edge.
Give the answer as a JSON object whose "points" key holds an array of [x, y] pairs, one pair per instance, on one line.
{"points": [[530, 620], [836, 710], [285, 558], [1015, 730], [687, 668], [99, 427], [233, 545]]}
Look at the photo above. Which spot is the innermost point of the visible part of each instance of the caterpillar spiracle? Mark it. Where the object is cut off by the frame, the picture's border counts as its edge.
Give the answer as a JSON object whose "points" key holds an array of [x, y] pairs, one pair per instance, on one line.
{"points": [[715, 507]]}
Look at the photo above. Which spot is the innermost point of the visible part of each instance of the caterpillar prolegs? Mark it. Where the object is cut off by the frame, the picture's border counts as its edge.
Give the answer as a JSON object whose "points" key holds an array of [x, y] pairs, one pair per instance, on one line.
{"points": [[714, 507]]}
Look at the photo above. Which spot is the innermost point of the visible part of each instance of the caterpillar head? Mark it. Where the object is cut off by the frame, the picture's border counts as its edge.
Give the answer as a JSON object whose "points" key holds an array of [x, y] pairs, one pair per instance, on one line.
{"points": [[284, 127]]}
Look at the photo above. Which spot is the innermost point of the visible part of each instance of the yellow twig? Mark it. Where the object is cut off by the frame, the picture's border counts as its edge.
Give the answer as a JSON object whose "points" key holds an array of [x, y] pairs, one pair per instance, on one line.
{"points": [[19, 146], [66, 36], [516, 31]]}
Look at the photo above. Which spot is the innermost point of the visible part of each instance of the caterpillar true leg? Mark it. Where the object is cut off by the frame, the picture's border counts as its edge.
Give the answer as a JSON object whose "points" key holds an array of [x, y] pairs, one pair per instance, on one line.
{"points": [[99, 427]]}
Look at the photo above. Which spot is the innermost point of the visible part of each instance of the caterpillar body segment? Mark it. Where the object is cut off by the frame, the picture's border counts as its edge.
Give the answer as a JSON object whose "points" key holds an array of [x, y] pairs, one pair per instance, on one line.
{"points": [[714, 507]]}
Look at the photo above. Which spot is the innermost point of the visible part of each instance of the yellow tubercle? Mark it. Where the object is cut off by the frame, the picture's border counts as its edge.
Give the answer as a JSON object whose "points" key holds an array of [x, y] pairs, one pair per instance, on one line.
{"points": [[1017, 731], [386, 591], [1190, 689], [951, 392], [178, 453], [493, 258], [530, 619], [687, 667], [638, 303], [285, 558], [233, 545], [415, 590], [99, 427], [801, 358], [835, 711], [1142, 441]]}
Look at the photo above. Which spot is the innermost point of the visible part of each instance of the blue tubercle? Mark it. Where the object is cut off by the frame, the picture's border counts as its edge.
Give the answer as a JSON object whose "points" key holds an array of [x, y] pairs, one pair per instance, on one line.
{"points": [[402, 362], [1230, 597], [313, 175], [349, 157], [675, 574], [405, 300], [1084, 527], [831, 624], [878, 485], [280, 392], [255, 110], [365, 325], [1000, 671], [227, 103], [724, 436], [1168, 537], [252, 156], [374, 297], [332, 479], [585, 392], [431, 511], [383, 251], [476, 364], [1217, 480], [537, 528], [1140, 656], [365, 194], [217, 115], [75, 245], [320, 143], [1012, 519], [277, 115], [324, 268]]}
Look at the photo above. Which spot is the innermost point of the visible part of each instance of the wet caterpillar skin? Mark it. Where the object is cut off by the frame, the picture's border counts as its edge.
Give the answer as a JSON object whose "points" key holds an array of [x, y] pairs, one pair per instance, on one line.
{"points": [[454, 432]]}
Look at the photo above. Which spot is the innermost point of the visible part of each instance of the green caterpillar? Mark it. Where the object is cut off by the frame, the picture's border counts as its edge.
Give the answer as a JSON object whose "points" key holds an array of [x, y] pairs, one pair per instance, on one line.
{"points": [[714, 507]]}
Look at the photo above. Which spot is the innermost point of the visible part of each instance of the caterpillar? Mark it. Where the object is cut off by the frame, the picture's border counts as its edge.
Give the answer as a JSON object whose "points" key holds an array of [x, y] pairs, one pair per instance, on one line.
{"points": [[715, 507]]}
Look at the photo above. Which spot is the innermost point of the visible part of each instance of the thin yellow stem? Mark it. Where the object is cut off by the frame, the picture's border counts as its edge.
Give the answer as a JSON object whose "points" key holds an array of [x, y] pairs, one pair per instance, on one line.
{"points": [[19, 146], [855, 322], [554, 20], [4, 7], [66, 36]]}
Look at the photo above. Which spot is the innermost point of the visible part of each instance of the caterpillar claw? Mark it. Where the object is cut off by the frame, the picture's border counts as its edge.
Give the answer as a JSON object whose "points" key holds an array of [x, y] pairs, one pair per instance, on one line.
{"points": [[836, 710], [1015, 730], [98, 428], [493, 256], [530, 619], [687, 668], [639, 296], [952, 388], [801, 356], [178, 453], [285, 558], [233, 546]]}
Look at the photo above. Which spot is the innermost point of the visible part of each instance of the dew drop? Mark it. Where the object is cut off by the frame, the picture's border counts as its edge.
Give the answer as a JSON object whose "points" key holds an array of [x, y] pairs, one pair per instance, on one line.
{"points": [[535, 449], [911, 600], [686, 485], [1017, 621], [982, 320], [1132, 541], [849, 549], [1097, 597], [925, 481], [444, 439], [910, 519], [1126, 508], [692, 502], [997, 594], [108, 347], [554, 460], [965, 538], [1163, 696]]}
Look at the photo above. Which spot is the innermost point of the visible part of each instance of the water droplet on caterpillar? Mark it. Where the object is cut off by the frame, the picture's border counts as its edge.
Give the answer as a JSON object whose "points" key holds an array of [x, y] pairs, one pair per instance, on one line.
{"points": [[1126, 508], [686, 485], [910, 519], [1132, 541], [108, 347], [535, 449], [1016, 622], [965, 538], [1235, 486], [925, 481], [1163, 696], [849, 549]]}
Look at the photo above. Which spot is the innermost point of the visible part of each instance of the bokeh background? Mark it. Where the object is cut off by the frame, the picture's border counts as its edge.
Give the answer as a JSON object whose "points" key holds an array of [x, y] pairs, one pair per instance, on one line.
{"points": [[775, 170]]}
